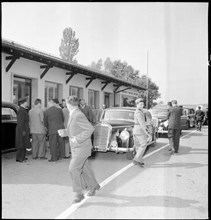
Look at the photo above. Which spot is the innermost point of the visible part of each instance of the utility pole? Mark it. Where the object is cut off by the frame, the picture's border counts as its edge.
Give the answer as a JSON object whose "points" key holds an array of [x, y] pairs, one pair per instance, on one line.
{"points": [[147, 99]]}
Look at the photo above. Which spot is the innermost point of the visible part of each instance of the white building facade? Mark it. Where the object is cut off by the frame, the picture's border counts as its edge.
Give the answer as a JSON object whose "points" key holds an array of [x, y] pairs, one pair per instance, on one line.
{"points": [[30, 73]]}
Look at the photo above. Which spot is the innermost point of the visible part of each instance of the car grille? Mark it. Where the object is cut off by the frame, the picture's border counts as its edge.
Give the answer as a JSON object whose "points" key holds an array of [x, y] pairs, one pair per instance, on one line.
{"points": [[101, 136]]}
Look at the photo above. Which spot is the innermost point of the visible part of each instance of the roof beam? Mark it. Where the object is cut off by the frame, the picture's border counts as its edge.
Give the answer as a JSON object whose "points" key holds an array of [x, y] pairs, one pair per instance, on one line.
{"points": [[13, 59], [106, 83], [117, 86], [90, 80], [47, 67], [71, 76], [123, 90]]}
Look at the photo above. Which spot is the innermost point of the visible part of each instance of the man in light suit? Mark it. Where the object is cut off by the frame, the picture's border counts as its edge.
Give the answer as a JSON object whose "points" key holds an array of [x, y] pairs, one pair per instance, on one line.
{"points": [[53, 121], [79, 131], [174, 115], [37, 130]]}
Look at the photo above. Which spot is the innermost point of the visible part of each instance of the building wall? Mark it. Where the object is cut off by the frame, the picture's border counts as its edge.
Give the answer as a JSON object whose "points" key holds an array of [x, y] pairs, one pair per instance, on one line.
{"points": [[31, 69]]}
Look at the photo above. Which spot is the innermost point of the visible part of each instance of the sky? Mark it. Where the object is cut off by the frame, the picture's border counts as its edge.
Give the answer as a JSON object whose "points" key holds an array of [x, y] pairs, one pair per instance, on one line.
{"points": [[166, 41]]}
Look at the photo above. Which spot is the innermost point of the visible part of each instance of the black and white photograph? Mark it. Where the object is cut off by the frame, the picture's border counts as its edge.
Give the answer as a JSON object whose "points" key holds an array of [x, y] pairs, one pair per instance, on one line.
{"points": [[104, 110]]}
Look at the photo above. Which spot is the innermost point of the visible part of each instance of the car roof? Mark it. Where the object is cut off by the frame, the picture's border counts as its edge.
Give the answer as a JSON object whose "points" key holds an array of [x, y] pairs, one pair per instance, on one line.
{"points": [[9, 104], [121, 108]]}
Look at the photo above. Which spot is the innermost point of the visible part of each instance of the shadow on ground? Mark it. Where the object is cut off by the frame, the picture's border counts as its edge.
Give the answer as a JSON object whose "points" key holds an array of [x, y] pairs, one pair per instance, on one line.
{"points": [[137, 201]]}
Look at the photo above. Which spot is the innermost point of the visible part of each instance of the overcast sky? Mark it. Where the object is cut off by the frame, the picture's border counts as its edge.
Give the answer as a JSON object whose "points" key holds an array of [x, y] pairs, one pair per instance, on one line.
{"points": [[175, 36]]}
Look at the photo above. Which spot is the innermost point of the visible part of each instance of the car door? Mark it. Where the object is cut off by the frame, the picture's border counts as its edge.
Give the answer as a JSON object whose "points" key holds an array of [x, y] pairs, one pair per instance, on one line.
{"points": [[8, 126]]}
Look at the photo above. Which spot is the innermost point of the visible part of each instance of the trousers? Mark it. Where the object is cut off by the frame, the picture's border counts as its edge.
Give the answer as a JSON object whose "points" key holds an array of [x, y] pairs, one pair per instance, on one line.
{"points": [[57, 146], [38, 145], [140, 142], [174, 138], [81, 174]]}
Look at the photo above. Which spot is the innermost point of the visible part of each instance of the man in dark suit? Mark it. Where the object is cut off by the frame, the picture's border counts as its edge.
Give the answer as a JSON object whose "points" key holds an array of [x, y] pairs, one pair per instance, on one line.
{"points": [[174, 115], [22, 137], [53, 121], [86, 110]]}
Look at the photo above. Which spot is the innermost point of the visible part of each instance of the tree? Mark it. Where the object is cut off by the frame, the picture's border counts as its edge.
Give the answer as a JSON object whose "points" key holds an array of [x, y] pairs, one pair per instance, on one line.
{"points": [[122, 70], [69, 45], [108, 65], [99, 64], [153, 93]]}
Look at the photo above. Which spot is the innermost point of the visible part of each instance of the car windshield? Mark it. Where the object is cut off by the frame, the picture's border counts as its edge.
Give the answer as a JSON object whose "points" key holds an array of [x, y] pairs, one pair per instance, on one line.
{"points": [[118, 115]]}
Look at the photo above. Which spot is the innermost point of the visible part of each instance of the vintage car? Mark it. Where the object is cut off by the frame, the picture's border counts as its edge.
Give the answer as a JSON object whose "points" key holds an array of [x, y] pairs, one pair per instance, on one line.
{"points": [[8, 126], [189, 113], [160, 112], [114, 131]]}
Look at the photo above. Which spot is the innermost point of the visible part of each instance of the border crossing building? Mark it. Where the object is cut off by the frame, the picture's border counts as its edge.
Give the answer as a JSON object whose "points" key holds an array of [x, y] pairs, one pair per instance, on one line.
{"points": [[27, 72]]}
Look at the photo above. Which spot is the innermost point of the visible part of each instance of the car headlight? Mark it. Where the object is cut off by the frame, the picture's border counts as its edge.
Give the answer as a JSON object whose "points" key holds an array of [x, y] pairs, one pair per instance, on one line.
{"points": [[124, 135], [114, 144], [166, 123]]}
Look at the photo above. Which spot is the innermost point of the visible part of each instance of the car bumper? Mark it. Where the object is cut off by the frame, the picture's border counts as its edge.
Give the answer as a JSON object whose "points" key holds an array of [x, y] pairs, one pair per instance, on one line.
{"points": [[161, 131]]}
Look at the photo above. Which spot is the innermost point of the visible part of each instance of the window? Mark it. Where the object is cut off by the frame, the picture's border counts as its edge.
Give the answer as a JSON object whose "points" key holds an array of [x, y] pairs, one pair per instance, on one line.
{"points": [[51, 91], [93, 98], [8, 114], [128, 101], [76, 91], [21, 89]]}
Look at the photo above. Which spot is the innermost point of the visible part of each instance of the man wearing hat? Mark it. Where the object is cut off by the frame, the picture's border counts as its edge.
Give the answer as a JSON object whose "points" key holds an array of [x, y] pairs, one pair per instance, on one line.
{"points": [[22, 137]]}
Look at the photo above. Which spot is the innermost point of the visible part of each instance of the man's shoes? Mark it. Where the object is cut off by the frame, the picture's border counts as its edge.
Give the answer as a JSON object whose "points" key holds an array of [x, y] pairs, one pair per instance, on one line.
{"points": [[51, 160], [26, 158], [21, 161], [93, 190], [42, 158], [135, 162], [172, 152], [66, 157], [78, 198], [141, 164]]}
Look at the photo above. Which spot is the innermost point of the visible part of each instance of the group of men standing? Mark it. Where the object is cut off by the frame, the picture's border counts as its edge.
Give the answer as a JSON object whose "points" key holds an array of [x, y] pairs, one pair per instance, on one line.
{"points": [[44, 124]]}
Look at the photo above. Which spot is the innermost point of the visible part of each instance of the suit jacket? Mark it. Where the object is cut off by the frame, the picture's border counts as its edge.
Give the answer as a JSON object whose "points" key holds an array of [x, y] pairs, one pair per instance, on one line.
{"points": [[22, 136], [174, 115], [53, 119], [139, 123], [88, 112], [80, 128], [36, 121]]}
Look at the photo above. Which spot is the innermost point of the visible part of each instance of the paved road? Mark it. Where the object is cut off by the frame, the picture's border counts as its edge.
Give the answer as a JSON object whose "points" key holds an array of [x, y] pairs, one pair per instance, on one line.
{"points": [[168, 187]]}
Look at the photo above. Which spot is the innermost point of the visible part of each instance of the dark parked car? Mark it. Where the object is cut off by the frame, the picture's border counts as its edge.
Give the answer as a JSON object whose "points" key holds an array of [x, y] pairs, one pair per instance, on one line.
{"points": [[114, 132], [189, 113], [160, 112], [8, 126]]}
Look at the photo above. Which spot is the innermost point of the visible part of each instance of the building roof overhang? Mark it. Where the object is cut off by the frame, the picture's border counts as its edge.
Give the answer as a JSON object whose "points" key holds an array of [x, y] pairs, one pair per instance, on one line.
{"points": [[16, 51]]}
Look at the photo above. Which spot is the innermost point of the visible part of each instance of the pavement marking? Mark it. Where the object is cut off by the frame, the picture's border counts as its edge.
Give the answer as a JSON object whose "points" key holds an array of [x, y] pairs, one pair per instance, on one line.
{"points": [[75, 206]]}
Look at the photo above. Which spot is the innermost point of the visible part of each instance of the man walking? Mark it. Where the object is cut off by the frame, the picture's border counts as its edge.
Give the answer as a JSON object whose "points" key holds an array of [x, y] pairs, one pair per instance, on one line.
{"points": [[79, 131], [199, 117], [174, 115], [37, 130], [53, 121], [140, 134]]}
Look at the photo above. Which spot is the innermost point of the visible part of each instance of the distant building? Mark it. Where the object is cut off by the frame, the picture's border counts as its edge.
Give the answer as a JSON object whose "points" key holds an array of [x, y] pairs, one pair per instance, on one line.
{"points": [[32, 73]]}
